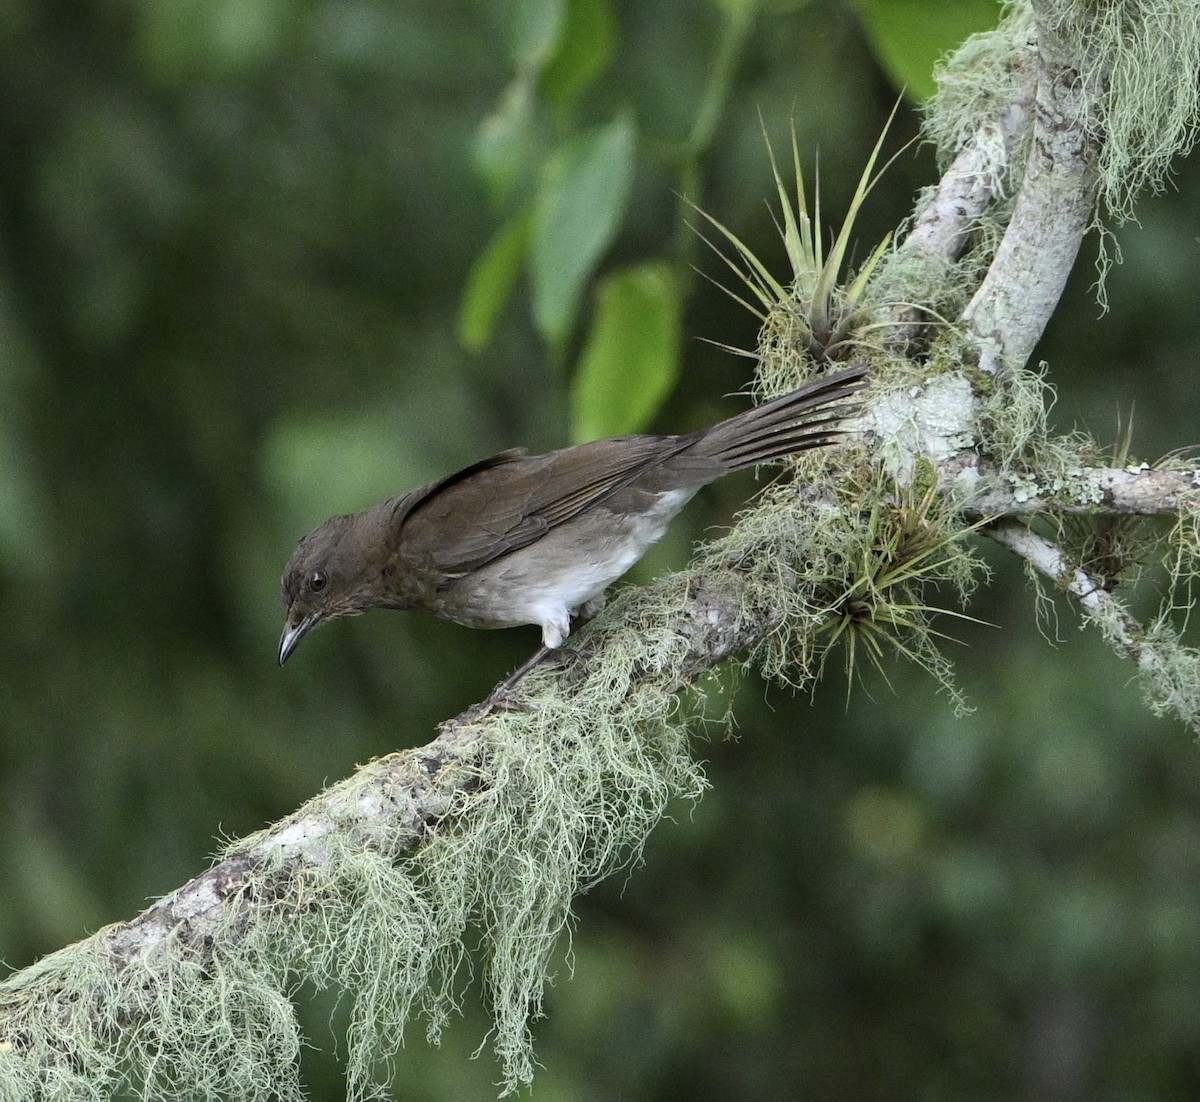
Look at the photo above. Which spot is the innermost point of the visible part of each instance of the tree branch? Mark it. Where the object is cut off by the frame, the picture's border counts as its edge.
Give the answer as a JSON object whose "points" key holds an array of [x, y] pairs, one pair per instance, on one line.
{"points": [[1170, 670], [1011, 307], [974, 179], [1098, 491]]}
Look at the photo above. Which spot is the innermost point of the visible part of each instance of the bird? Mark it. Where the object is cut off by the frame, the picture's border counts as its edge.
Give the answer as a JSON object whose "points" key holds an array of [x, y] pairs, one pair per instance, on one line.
{"points": [[517, 539]]}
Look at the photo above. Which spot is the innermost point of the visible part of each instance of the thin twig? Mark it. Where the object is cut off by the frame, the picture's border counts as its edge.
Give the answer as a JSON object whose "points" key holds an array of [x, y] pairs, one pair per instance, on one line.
{"points": [[1150, 654]]}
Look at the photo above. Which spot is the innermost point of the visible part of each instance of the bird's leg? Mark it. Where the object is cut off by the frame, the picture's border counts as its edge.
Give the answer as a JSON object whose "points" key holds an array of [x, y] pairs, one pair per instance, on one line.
{"points": [[585, 613], [591, 608], [510, 682], [582, 615]]}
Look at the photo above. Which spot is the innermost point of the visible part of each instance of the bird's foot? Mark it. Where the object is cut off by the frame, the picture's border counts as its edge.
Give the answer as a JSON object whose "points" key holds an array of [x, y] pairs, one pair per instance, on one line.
{"points": [[502, 696]]}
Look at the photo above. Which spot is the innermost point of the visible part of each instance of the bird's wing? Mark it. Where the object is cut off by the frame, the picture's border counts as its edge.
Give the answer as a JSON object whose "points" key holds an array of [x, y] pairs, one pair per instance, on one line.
{"points": [[510, 500]]}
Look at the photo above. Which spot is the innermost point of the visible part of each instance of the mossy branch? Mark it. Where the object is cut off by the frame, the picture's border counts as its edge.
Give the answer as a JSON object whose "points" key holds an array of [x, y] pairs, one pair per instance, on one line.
{"points": [[527, 808]]}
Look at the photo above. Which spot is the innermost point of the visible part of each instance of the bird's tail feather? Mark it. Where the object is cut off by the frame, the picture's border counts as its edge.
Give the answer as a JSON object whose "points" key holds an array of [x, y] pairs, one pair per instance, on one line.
{"points": [[808, 417]]}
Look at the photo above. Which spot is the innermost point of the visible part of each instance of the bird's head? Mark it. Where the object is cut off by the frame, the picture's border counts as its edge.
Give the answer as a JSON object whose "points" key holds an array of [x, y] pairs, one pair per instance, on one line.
{"points": [[331, 573]]}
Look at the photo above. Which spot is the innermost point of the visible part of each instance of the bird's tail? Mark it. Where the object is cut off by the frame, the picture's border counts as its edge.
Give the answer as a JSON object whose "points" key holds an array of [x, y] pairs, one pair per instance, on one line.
{"points": [[806, 418]]}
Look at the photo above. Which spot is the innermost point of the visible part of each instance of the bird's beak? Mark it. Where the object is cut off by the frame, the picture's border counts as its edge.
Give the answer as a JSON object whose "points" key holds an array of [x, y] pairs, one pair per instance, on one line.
{"points": [[293, 633]]}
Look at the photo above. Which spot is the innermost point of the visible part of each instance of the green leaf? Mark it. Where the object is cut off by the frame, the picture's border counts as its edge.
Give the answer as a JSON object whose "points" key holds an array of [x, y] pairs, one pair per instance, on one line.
{"points": [[584, 51], [534, 32], [504, 139], [909, 36], [491, 281], [577, 210], [631, 360]]}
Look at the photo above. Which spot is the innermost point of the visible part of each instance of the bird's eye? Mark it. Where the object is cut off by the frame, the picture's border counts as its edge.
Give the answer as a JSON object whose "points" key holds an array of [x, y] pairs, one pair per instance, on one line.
{"points": [[317, 580]]}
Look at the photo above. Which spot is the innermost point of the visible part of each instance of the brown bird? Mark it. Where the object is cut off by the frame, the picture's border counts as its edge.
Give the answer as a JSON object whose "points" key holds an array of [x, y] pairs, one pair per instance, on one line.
{"points": [[536, 539]]}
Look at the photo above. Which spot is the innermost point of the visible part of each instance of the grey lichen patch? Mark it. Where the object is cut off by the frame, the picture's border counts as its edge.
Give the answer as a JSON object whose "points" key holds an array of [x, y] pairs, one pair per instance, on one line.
{"points": [[1181, 555], [935, 419], [925, 289], [574, 787], [1125, 558], [1015, 435], [782, 360], [1170, 667]]}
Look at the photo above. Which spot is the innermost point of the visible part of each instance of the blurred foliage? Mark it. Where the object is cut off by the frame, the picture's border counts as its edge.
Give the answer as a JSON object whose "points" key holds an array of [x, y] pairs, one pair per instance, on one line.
{"points": [[236, 245], [909, 36]]}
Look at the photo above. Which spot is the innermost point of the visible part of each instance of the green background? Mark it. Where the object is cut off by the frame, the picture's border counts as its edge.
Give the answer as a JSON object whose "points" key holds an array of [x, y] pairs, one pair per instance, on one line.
{"points": [[234, 244]]}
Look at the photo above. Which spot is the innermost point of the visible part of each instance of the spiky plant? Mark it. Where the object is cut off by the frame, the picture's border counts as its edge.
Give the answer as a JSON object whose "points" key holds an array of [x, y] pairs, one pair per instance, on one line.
{"points": [[816, 314], [907, 544], [889, 546]]}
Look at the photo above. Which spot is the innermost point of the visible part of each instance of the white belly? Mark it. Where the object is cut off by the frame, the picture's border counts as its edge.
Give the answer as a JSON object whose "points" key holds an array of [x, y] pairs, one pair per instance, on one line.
{"points": [[546, 582]]}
